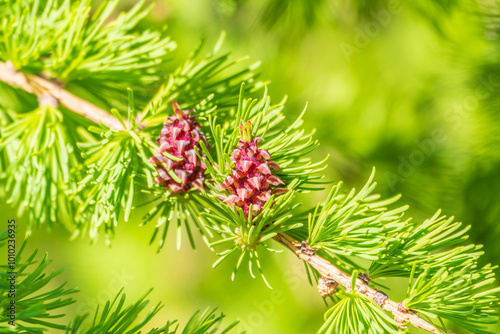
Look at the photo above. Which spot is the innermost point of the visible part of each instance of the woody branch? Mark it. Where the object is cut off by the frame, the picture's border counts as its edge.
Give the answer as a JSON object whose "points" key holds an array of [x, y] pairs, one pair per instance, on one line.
{"points": [[44, 88], [330, 271]]}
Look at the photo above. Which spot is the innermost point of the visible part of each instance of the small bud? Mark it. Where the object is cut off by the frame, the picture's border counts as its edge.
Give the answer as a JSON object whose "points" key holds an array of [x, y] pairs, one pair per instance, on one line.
{"points": [[365, 278], [402, 308], [306, 249], [327, 287]]}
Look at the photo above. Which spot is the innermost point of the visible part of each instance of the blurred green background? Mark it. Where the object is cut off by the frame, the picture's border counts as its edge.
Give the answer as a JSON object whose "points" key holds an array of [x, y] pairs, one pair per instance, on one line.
{"points": [[409, 87]]}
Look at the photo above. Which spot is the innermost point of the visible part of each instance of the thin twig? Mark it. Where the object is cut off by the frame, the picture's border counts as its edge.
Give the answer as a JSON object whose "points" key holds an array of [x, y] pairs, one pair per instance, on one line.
{"points": [[41, 87], [328, 270]]}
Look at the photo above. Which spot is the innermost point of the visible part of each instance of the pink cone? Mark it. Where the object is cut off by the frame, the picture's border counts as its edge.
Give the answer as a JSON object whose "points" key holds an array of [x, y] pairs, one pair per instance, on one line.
{"points": [[180, 136], [251, 181]]}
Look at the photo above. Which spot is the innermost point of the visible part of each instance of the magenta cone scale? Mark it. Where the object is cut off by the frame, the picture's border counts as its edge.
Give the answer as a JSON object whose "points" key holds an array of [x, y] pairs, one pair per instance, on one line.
{"points": [[180, 137], [251, 181]]}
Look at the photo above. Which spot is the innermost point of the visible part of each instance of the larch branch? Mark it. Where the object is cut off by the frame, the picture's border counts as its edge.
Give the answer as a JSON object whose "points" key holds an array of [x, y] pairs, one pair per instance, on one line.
{"points": [[42, 87], [330, 271]]}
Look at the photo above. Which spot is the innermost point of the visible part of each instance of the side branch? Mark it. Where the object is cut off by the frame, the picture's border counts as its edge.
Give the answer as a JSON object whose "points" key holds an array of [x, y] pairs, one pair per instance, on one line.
{"points": [[328, 270], [43, 88]]}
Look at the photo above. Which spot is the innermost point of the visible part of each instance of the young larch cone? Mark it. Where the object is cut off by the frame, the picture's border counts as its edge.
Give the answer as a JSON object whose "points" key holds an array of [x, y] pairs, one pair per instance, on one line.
{"points": [[251, 180], [180, 136]]}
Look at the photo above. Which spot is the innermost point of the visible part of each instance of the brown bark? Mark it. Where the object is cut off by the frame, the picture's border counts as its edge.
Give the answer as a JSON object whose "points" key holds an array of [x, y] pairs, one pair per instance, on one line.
{"points": [[330, 271], [44, 88]]}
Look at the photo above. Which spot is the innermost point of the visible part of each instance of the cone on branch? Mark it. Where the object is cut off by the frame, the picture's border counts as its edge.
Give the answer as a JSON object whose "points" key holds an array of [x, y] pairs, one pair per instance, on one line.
{"points": [[180, 137], [251, 182]]}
